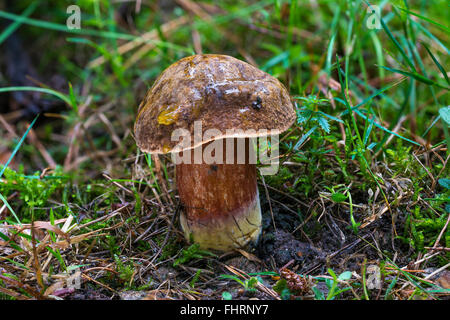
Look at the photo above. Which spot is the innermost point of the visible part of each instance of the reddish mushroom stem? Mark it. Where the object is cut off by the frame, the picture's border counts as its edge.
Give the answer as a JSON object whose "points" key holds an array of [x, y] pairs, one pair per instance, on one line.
{"points": [[221, 207]]}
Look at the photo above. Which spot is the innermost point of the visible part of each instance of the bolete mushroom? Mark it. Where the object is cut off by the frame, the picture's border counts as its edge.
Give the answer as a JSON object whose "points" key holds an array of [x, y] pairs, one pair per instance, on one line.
{"points": [[234, 100]]}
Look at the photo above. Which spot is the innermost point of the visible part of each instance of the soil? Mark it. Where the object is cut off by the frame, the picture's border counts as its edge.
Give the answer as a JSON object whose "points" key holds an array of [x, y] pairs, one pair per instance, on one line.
{"points": [[311, 250]]}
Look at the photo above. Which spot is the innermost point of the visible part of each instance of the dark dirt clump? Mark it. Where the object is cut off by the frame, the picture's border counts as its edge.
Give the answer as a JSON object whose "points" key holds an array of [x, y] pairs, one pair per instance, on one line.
{"points": [[283, 247], [329, 244], [87, 294]]}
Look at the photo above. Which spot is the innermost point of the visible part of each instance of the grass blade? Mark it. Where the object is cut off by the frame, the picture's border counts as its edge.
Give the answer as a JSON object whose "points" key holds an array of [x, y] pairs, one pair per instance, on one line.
{"points": [[376, 124], [9, 161], [436, 62], [10, 209], [416, 76], [425, 19], [16, 24], [305, 136], [63, 28], [17, 147], [402, 51], [375, 94], [38, 89]]}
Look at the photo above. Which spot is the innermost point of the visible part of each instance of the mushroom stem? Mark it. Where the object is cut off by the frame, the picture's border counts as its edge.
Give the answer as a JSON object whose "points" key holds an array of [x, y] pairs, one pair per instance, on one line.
{"points": [[221, 208]]}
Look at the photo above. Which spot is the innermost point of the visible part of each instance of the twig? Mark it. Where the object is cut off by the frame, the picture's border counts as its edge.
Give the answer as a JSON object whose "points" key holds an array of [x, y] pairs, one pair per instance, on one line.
{"points": [[442, 232], [109, 216], [8, 127], [426, 169], [166, 28], [270, 204], [117, 184], [395, 130], [438, 249], [98, 282], [437, 271], [34, 140], [167, 236]]}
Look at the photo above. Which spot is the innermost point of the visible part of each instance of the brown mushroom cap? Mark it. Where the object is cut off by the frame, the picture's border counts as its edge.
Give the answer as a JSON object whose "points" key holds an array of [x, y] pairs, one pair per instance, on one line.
{"points": [[221, 91]]}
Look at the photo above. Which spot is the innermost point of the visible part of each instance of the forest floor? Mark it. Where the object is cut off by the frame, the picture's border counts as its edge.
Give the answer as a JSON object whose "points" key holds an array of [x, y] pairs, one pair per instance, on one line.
{"points": [[359, 208]]}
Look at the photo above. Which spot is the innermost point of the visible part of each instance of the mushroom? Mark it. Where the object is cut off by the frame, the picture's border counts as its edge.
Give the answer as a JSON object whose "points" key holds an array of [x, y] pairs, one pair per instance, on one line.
{"points": [[208, 93]]}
